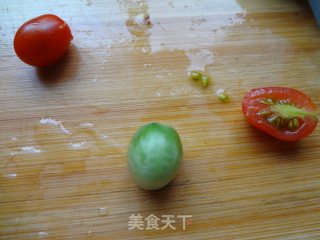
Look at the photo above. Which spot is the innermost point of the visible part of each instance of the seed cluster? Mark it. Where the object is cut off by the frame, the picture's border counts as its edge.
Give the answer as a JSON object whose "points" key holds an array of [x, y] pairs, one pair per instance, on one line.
{"points": [[198, 75], [276, 120], [223, 97]]}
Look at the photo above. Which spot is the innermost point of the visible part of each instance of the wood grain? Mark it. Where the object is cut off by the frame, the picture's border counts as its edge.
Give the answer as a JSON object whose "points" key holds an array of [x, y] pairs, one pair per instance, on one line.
{"points": [[65, 130]]}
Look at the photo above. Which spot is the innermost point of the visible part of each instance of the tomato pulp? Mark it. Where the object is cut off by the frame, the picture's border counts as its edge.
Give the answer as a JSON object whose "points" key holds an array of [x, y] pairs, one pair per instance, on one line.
{"points": [[284, 113], [43, 40]]}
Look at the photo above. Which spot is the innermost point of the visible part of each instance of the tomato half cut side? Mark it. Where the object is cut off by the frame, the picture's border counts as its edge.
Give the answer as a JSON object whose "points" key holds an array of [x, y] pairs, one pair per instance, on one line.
{"points": [[285, 113]]}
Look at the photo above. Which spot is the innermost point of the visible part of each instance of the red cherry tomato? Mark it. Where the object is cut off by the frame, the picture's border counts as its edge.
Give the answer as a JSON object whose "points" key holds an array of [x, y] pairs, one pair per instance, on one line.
{"points": [[43, 40], [284, 113]]}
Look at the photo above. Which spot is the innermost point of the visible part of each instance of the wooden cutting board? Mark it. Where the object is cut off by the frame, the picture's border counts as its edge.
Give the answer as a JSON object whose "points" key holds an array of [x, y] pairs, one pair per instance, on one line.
{"points": [[65, 130]]}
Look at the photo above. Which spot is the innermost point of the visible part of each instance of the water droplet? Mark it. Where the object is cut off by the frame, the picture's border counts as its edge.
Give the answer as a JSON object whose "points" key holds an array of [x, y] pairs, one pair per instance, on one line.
{"points": [[30, 149], [77, 145], [89, 233], [10, 171], [220, 91], [53, 122], [103, 211], [42, 235], [199, 59], [158, 93], [144, 50], [86, 125], [11, 175], [49, 121]]}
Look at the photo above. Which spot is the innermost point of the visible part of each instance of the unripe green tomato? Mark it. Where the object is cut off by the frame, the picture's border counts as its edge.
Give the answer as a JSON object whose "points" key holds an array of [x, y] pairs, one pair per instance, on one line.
{"points": [[154, 155]]}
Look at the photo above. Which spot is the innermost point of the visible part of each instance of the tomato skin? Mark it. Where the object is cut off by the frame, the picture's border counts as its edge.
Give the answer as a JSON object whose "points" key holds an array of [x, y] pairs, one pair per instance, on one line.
{"points": [[43, 40], [251, 106], [154, 155]]}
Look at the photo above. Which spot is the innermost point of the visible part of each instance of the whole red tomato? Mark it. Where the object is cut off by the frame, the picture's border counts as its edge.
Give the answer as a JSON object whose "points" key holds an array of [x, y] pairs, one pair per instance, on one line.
{"points": [[43, 40]]}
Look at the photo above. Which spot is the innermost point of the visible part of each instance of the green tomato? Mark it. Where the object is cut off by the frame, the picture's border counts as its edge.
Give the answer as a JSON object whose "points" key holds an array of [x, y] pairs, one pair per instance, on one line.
{"points": [[154, 155]]}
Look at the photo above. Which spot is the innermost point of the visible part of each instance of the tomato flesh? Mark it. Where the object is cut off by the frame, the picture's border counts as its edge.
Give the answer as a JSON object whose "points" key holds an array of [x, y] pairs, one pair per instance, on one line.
{"points": [[43, 40], [254, 103]]}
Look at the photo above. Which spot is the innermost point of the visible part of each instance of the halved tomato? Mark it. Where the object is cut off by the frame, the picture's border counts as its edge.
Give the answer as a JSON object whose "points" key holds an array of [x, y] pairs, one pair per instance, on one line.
{"points": [[285, 113]]}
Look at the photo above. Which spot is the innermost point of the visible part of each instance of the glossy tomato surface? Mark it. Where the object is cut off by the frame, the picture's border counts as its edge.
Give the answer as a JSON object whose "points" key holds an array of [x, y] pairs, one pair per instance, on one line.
{"points": [[254, 103], [43, 40], [154, 155]]}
